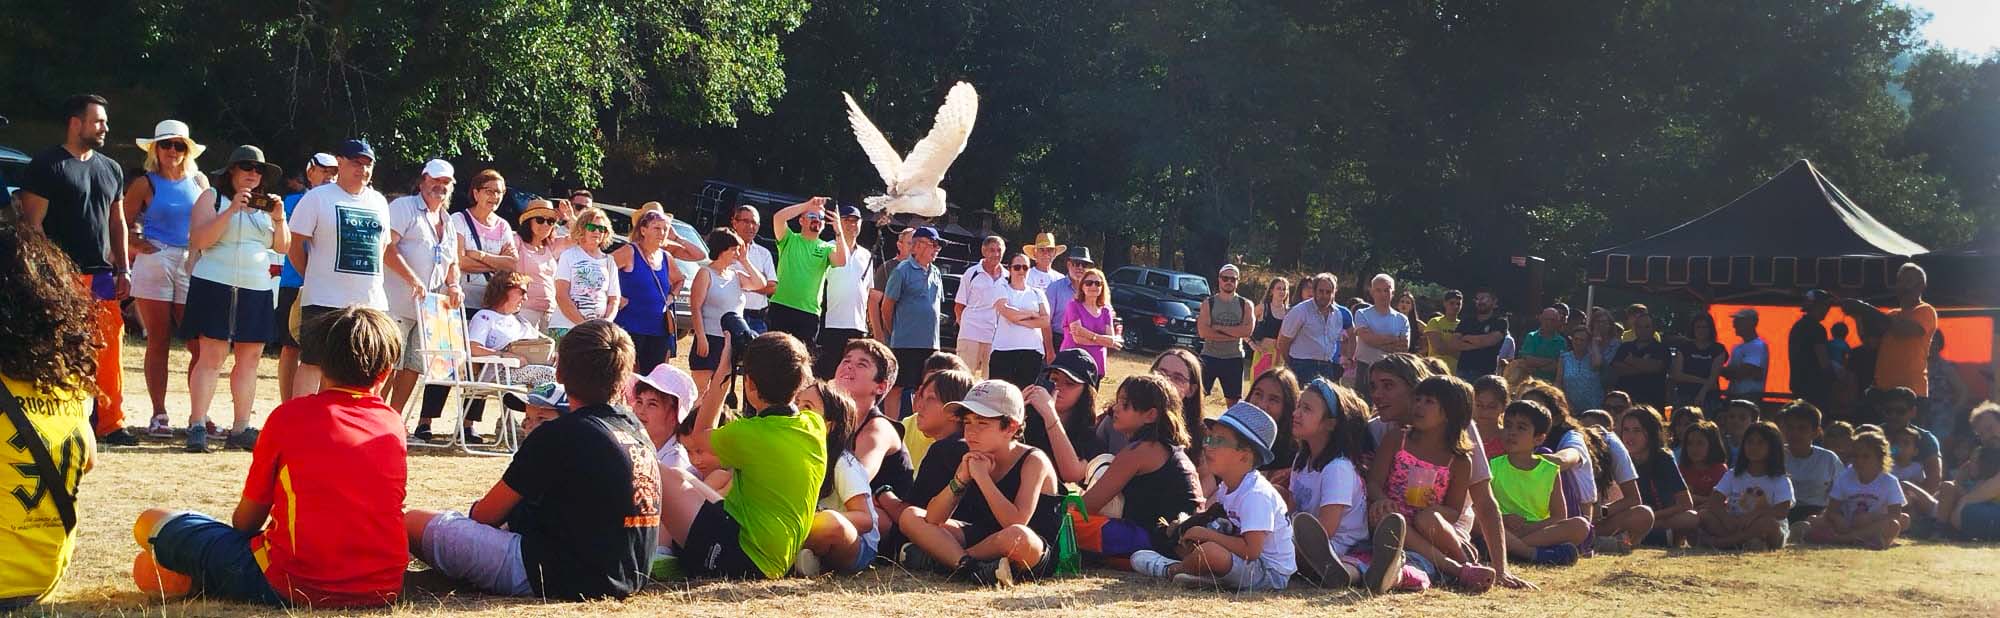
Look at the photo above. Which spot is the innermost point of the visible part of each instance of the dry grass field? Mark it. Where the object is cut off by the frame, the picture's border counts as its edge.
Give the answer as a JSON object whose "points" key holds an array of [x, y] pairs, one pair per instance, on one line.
{"points": [[1924, 579]]}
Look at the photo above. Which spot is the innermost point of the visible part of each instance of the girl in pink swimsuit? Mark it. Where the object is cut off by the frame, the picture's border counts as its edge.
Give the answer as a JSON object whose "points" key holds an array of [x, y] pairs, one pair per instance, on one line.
{"points": [[1426, 478]]}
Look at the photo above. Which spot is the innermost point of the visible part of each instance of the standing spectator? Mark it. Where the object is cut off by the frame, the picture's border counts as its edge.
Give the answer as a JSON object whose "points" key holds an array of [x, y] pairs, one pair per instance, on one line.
{"points": [[803, 259], [579, 199], [71, 194], [1379, 330], [880, 283], [1543, 351], [1580, 373], [586, 280], [1044, 251], [1063, 290], [1479, 338], [1948, 401], [648, 280], [1093, 324], [156, 209], [1270, 317], [1696, 365], [231, 290], [1811, 359], [1443, 328], [1225, 321], [346, 269], [719, 288], [756, 301], [1406, 304], [425, 261], [486, 244], [847, 290], [1905, 335], [1641, 364], [977, 287], [1632, 313], [1017, 339], [1748, 363], [1309, 340], [539, 253], [47, 331], [320, 170], [911, 301]]}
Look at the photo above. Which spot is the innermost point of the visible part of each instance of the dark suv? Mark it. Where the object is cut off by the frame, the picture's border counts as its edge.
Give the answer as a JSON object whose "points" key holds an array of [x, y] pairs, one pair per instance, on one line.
{"points": [[1158, 306]]}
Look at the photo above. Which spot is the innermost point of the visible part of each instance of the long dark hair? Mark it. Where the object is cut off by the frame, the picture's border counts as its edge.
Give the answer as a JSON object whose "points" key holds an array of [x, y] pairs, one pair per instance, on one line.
{"points": [[1190, 401], [1552, 398], [1350, 438], [1454, 398], [1774, 443], [1151, 392], [1717, 453], [1288, 385], [47, 324], [839, 416], [1699, 319], [1656, 429]]}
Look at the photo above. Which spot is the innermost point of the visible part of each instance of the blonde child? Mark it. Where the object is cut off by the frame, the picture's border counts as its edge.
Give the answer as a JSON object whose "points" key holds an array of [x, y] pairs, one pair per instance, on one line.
{"points": [[1866, 506]]}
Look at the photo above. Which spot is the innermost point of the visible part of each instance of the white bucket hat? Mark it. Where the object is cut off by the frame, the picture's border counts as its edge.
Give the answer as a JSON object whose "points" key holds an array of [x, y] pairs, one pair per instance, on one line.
{"points": [[172, 129]]}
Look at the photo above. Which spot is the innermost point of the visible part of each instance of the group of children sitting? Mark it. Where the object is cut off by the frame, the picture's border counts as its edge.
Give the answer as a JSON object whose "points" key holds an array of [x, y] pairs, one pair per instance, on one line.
{"points": [[624, 478]]}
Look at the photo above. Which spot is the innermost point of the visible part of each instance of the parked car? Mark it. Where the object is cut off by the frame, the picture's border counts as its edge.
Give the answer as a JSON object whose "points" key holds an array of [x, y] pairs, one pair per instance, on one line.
{"points": [[1158, 306]]}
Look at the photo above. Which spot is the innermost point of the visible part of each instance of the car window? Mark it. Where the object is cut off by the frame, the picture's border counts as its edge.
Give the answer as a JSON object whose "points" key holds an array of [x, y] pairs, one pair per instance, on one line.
{"points": [[1156, 280], [1193, 286], [1125, 275]]}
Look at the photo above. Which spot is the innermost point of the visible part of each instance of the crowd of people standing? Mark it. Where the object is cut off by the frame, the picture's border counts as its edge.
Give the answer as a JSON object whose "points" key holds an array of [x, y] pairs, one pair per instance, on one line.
{"points": [[820, 427]]}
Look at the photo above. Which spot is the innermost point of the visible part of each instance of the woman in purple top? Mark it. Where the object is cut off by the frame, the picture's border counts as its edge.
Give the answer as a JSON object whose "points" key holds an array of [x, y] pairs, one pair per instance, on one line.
{"points": [[1092, 325]]}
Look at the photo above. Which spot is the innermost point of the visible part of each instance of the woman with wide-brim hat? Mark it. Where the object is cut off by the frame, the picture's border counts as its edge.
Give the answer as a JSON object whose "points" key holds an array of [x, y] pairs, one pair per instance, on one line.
{"points": [[231, 303], [539, 249], [156, 211]]}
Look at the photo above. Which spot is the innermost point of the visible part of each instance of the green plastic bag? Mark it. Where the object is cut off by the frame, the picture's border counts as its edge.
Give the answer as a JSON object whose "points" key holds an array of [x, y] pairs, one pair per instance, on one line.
{"points": [[1068, 560]]}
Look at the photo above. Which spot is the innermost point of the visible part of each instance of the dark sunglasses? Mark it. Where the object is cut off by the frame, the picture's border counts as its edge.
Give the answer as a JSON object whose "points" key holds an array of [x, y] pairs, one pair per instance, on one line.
{"points": [[246, 166], [543, 220], [1228, 278], [172, 145], [1017, 267], [1091, 283]]}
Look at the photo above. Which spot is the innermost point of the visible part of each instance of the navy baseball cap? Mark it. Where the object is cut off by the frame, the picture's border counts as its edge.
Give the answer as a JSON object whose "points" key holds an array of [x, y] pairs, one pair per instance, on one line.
{"points": [[925, 233], [355, 148], [849, 211]]}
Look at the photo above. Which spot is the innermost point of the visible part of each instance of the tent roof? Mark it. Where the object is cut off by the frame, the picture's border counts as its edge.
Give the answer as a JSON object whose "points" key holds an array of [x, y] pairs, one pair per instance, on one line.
{"points": [[1798, 213]]}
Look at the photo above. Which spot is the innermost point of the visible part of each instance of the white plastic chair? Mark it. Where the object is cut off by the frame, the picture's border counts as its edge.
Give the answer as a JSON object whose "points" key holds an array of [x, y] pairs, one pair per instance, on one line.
{"points": [[449, 363]]}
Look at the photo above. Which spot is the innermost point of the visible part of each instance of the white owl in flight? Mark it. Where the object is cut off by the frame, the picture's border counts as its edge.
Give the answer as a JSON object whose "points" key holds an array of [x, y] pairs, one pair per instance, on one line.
{"points": [[913, 181]]}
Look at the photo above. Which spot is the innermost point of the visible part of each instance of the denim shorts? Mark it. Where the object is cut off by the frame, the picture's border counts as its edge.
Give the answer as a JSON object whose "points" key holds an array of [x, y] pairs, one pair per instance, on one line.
{"points": [[1253, 576], [1980, 521], [469, 551], [870, 545], [216, 556]]}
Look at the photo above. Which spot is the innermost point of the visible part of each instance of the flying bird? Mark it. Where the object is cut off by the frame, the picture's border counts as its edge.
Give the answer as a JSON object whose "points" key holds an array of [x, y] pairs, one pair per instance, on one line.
{"points": [[913, 181]]}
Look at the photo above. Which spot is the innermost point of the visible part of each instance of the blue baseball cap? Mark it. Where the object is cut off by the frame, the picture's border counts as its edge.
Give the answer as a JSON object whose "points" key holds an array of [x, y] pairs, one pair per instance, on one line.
{"points": [[355, 148], [925, 233], [849, 211]]}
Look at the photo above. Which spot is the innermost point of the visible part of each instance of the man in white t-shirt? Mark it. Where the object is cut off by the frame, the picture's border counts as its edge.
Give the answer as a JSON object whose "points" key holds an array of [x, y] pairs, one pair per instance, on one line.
{"points": [[1379, 329], [978, 287], [425, 261], [1044, 252], [1748, 362], [745, 220], [346, 266], [847, 290]]}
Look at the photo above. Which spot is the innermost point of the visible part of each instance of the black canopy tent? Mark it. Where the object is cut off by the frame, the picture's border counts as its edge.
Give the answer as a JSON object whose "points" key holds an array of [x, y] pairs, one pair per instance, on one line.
{"points": [[1795, 232], [1968, 276]]}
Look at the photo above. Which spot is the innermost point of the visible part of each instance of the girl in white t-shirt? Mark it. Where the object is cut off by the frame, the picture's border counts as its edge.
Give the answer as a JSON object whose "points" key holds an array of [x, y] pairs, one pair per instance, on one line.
{"points": [[843, 537], [1329, 500], [1750, 505], [1865, 506], [586, 279]]}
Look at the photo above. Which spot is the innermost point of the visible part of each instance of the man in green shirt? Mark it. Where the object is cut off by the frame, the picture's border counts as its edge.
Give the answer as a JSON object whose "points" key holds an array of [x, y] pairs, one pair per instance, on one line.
{"points": [[1543, 350], [803, 258], [1439, 329], [778, 454]]}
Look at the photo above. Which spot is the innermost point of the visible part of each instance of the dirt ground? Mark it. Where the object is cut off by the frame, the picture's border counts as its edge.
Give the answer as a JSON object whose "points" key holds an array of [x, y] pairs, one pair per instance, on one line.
{"points": [[1915, 579]]}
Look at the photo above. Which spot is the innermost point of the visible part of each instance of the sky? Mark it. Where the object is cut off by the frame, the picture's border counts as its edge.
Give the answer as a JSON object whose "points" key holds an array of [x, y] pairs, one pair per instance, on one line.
{"points": [[1971, 26]]}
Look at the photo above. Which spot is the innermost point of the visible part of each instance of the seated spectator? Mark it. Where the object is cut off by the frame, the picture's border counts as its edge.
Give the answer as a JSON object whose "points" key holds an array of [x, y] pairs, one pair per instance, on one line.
{"points": [[338, 543], [944, 446], [1811, 468], [575, 516], [1152, 479], [1661, 486], [1865, 504], [1538, 523], [497, 330], [843, 537], [998, 516], [1750, 505], [1330, 501], [1250, 549], [1702, 460]]}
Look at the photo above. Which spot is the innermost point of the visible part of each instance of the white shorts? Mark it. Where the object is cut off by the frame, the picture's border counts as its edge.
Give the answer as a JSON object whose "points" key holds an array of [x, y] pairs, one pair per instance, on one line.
{"points": [[161, 275], [469, 551]]}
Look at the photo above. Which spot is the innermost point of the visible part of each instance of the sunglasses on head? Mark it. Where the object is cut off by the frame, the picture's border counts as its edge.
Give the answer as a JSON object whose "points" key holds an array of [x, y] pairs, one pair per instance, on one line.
{"points": [[592, 227], [176, 145]]}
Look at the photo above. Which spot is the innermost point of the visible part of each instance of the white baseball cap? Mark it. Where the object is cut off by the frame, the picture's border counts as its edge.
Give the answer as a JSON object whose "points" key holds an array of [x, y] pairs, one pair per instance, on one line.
{"points": [[438, 168], [324, 160], [1229, 268], [992, 399]]}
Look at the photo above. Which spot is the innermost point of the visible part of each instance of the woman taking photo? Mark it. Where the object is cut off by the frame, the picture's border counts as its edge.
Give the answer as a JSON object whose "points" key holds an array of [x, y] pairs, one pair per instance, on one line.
{"points": [[539, 249], [648, 278], [231, 297], [1017, 340], [1264, 340], [486, 244], [1092, 325], [156, 208], [718, 289]]}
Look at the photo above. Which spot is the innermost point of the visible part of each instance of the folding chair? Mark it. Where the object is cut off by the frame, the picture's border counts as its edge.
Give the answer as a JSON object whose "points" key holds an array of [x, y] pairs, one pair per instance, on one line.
{"points": [[449, 363]]}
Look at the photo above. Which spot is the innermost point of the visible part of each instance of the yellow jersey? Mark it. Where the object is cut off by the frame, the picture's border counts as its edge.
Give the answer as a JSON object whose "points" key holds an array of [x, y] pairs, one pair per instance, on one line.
{"points": [[34, 548]]}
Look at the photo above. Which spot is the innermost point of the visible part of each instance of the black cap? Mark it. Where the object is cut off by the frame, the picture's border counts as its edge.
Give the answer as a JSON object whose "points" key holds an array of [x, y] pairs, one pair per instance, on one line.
{"points": [[1816, 297], [1078, 365]]}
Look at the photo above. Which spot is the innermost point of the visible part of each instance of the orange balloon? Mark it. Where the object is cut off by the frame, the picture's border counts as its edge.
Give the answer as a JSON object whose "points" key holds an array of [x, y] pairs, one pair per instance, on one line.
{"points": [[156, 580]]}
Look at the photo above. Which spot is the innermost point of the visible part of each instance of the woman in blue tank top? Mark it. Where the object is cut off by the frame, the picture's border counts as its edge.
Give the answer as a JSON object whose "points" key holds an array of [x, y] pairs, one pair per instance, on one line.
{"points": [[159, 202], [648, 279]]}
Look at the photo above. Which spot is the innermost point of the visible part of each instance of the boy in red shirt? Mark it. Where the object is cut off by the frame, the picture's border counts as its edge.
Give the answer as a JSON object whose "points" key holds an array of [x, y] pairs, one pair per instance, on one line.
{"points": [[327, 474]]}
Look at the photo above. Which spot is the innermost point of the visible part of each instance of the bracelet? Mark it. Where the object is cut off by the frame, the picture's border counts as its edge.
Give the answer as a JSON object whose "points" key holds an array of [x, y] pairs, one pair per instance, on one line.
{"points": [[957, 486]]}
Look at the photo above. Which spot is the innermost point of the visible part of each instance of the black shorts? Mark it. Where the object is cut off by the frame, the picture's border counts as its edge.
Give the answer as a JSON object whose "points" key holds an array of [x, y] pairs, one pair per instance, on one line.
{"points": [[288, 299], [1228, 371], [709, 362], [714, 546], [309, 350], [1017, 367], [799, 324], [974, 533], [224, 313], [1803, 512], [910, 366], [829, 348]]}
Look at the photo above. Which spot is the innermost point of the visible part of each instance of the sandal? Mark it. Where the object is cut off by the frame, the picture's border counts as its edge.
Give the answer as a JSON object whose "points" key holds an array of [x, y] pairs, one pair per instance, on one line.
{"points": [[1476, 578]]}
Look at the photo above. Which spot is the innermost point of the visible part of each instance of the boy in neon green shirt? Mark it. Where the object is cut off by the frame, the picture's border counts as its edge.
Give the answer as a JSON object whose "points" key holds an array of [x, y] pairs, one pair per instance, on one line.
{"points": [[1529, 489]]}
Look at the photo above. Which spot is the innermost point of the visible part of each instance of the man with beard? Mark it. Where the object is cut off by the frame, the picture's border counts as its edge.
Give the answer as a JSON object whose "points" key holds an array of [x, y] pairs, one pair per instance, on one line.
{"points": [[1226, 320], [1479, 337]]}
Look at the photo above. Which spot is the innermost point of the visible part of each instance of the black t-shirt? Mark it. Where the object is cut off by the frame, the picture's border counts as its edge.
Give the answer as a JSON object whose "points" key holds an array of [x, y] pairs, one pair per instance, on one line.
{"points": [[590, 504], [1810, 379], [1483, 361], [1659, 481], [1649, 387], [80, 194], [1698, 359], [934, 474]]}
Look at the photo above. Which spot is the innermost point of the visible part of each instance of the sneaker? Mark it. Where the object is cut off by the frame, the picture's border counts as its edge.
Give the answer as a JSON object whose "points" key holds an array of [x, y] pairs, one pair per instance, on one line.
{"points": [[1190, 580], [159, 428], [916, 560], [807, 564], [422, 436], [1151, 563], [1385, 568], [982, 572], [197, 439], [471, 436], [242, 440], [118, 437], [1315, 555], [1560, 554], [1477, 578], [667, 568]]}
